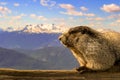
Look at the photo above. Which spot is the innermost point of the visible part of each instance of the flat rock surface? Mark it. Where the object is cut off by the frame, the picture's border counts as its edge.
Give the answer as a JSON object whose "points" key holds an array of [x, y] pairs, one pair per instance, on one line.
{"points": [[11, 74]]}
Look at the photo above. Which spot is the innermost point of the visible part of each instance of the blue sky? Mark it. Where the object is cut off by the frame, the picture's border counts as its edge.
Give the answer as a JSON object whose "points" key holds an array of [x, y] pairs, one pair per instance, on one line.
{"points": [[93, 13]]}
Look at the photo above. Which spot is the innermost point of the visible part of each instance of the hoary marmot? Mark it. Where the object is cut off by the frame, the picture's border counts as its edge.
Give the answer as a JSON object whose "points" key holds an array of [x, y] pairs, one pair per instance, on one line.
{"points": [[94, 50]]}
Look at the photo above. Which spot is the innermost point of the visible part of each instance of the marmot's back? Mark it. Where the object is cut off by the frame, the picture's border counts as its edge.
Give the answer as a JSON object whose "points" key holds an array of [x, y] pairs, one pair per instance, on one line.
{"points": [[114, 38]]}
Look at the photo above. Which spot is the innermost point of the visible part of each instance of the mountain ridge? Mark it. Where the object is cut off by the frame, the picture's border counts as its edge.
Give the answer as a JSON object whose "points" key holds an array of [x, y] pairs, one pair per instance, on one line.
{"points": [[13, 59], [38, 28]]}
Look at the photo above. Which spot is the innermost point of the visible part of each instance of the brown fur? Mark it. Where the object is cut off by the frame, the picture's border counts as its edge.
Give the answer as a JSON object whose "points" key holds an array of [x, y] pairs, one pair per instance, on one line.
{"points": [[93, 50]]}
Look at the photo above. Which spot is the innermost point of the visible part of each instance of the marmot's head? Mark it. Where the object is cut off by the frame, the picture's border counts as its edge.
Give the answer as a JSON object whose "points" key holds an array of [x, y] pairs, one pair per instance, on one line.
{"points": [[75, 34]]}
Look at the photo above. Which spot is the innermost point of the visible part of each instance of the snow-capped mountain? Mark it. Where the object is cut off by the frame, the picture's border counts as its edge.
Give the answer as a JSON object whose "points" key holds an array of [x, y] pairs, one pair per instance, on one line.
{"points": [[44, 28], [39, 28]]}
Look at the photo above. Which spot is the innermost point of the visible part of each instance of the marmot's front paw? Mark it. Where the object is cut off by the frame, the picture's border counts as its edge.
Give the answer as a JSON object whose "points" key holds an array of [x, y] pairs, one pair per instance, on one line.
{"points": [[81, 69]]}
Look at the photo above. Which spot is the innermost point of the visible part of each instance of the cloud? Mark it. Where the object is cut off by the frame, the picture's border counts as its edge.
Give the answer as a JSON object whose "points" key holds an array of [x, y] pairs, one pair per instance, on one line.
{"points": [[111, 8], [96, 19], [83, 8], [16, 4], [44, 2], [73, 13], [70, 10], [42, 18], [99, 19], [18, 17], [3, 3], [38, 17], [89, 14], [4, 10], [47, 3], [68, 7], [56, 20], [115, 23], [33, 16], [114, 16], [118, 21]]}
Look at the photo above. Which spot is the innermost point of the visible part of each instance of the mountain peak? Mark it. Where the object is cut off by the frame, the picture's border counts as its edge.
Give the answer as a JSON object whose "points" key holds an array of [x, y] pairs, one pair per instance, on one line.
{"points": [[44, 28], [39, 28]]}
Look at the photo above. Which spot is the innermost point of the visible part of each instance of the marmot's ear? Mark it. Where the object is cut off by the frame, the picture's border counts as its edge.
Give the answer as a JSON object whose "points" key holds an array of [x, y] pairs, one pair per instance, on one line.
{"points": [[83, 30]]}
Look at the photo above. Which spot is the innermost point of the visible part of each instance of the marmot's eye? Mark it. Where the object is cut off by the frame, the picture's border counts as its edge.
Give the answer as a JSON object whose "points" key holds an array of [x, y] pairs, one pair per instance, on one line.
{"points": [[83, 32]]}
